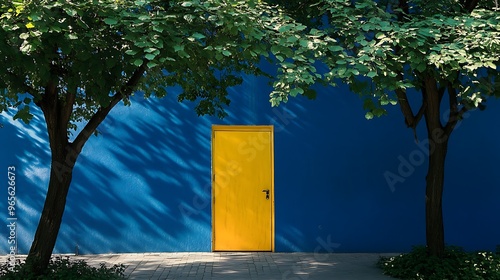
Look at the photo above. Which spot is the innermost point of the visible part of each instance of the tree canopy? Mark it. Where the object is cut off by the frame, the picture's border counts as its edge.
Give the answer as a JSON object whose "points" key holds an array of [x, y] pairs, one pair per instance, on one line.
{"points": [[95, 53], [384, 48]]}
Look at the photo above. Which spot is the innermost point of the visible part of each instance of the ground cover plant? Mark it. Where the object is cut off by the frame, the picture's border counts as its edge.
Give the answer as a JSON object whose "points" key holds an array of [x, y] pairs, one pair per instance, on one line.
{"points": [[63, 268], [455, 264]]}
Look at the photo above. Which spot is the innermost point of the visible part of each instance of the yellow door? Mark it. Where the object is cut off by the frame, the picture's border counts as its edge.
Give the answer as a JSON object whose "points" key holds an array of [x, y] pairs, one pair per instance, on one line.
{"points": [[243, 188]]}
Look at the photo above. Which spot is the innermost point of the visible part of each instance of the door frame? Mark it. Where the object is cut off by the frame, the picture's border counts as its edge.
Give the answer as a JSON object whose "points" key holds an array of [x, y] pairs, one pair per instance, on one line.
{"points": [[244, 128]]}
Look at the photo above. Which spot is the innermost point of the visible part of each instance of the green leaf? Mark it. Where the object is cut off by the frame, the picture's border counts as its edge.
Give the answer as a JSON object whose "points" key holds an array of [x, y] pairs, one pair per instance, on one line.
{"points": [[490, 64], [183, 54], [295, 91], [304, 43], [25, 47], [143, 44], [149, 56], [23, 114], [137, 62], [378, 112], [178, 48], [152, 64], [131, 52], [335, 48], [421, 67], [70, 12], [198, 36], [158, 28], [292, 39], [24, 36], [369, 115], [285, 28], [310, 94], [110, 21], [367, 27], [371, 74], [150, 50]]}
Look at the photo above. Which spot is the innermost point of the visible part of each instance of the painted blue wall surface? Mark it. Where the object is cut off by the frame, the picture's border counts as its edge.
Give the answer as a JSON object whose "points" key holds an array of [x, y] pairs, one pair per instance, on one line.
{"points": [[143, 185]]}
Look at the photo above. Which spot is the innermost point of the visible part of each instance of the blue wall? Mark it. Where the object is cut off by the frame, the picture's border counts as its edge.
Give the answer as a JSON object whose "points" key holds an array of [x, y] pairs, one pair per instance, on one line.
{"points": [[143, 185]]}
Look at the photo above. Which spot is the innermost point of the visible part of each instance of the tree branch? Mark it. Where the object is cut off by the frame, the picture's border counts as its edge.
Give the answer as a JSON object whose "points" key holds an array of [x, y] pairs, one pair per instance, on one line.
{"points": [[430, 94], [31, 91], [411, 119], [67, 107], [49, 106], [102, 112], [420, 114], [403, 5], [470, 5], [404, 104], [455, 114]]}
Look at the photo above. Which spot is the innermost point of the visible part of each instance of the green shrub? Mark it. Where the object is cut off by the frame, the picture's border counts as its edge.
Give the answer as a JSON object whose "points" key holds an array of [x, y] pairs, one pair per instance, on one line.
{"points": [[61, 269], [456, 264]]}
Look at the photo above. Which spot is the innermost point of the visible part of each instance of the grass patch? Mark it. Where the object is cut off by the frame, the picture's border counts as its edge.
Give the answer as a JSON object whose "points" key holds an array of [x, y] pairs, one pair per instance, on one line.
{"points": [[61, 269], [456, 264]]}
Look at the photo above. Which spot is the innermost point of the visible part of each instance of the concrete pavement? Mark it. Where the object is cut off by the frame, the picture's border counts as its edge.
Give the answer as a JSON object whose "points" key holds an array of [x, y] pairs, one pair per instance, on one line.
{"points": [[244, 266]]}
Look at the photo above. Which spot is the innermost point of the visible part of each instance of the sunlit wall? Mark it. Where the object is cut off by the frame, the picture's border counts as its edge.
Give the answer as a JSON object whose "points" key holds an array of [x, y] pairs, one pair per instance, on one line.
{"points": [[143, 185]]}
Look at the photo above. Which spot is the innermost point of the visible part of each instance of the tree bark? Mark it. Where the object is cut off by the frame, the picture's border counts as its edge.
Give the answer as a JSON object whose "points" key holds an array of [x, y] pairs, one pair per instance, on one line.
{"points": [[433, 198], [438, 146], [53, 210], [57, 113]]}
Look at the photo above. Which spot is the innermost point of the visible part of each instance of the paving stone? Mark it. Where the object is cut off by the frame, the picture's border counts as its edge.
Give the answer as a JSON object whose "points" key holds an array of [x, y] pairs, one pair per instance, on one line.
{"points": [[240, 266]]}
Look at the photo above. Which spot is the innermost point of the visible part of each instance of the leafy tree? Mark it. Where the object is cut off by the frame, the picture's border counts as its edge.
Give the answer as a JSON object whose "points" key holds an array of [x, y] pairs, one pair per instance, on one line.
{"points": [[445, 51], [76, 60]]}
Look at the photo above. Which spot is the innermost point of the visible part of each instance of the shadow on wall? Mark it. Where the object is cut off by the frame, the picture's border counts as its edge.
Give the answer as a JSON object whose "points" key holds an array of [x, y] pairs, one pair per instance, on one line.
{"points": [[143, 185], [24, 147], [138, 182], [133, 186]]}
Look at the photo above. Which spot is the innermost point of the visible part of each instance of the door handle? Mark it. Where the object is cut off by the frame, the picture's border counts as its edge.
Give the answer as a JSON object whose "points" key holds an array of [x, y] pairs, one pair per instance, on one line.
{"points": [[267, 193]]}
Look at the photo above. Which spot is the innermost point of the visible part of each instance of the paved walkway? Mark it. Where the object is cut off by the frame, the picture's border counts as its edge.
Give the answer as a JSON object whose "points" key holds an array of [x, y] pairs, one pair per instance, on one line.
{"points": [[244, 266]]}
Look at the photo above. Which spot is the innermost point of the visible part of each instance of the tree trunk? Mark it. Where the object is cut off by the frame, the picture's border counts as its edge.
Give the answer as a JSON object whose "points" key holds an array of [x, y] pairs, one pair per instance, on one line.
{"points": [[433, 198], [438, 145], [57, 114], [53, 210]]}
